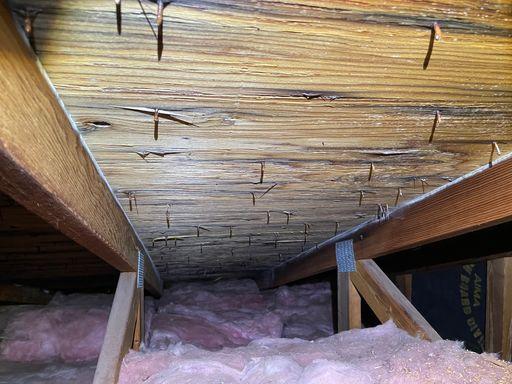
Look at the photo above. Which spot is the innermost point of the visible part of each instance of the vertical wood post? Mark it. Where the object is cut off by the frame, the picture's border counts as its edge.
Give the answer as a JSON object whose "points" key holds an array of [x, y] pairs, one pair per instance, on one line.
{"points": [[138, 337], [120, 330], [498, 333], [349, 303]]}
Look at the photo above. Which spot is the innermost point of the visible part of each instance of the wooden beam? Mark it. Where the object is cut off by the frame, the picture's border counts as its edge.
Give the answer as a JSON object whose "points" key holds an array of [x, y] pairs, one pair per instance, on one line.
{"points": [[498, 333], [19, 294], [349, 303], [45, 166], [138, 337], [478, 200], [387, 302], [120, 328], [404, 284]]}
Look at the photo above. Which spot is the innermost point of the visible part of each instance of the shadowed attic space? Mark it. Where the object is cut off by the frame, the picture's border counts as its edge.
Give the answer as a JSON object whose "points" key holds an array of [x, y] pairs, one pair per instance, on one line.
{"points": [[293, 105]]}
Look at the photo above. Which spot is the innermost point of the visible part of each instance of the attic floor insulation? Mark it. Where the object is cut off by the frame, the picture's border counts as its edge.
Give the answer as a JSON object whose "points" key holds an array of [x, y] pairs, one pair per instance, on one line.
{"points": [[230, 332]]}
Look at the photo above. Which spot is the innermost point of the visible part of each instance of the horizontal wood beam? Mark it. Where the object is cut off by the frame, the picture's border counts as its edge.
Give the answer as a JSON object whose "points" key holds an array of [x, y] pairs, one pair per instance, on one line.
{"points": [[45, 166], [479, 200], [387, 302], [120, 330]]}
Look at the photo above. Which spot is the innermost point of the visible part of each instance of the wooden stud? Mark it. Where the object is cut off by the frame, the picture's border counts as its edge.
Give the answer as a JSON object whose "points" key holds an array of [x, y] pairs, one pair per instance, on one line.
{"points": [[138, 337], [120, 330], [498, 333], [387, 302], [349, 303]]}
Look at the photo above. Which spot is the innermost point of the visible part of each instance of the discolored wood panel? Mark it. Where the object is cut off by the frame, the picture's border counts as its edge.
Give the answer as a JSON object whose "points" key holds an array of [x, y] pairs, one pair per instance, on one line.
{"points": [[45, 166], [317, 90]]}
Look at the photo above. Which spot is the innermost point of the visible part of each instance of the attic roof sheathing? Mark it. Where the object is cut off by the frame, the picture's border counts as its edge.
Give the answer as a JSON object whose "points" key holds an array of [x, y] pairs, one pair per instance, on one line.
{"points": [[315, 91]]}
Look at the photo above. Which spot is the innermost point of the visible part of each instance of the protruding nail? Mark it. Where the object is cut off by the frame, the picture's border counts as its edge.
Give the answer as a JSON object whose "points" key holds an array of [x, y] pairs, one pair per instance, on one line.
{"points": [[156, 118], [336, 228], [118, 15], [437, 31], [268, 217], [435, 35], [370, 173], [399, 194], [361, 195], [268, 190], [262, 171], [423, 184], [230, 231], [253, 199], [29, 15], [437, 120], [168, 215], [494, 148], [160, 27], [288, 214]]}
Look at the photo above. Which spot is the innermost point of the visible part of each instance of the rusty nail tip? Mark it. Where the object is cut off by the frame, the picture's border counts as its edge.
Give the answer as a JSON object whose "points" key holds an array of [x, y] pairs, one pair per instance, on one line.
{"points": [[437, 31]]}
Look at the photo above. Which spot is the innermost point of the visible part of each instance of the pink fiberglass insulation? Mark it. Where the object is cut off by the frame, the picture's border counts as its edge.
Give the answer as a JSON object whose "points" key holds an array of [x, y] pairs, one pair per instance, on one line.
{"points": [[46, 373], [305, 310], [234, 312], [383, 354], [70, 328]]}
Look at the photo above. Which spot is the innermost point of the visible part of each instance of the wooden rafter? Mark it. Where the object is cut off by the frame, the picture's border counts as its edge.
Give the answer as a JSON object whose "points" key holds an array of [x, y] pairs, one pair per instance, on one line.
{"points": [[479, 200], [45, 167]]}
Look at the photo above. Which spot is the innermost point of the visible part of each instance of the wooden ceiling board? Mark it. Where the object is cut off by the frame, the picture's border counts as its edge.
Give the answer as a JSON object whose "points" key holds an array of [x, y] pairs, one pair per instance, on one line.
{"points": [[317, 90]]}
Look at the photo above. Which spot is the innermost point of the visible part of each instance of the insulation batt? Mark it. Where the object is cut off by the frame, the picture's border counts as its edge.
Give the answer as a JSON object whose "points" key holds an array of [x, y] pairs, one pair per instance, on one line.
{"points": [[70, 328], [234, 312], [384, 354]]}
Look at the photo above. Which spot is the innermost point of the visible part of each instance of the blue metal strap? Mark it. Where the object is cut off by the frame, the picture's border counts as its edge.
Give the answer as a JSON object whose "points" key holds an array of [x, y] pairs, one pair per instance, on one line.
{"points": [[345, 257]]}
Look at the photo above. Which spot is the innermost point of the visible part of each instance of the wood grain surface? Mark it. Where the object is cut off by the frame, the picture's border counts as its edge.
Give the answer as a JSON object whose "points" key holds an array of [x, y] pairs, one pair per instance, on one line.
{"points": [[45, 166], [317, 90]]}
